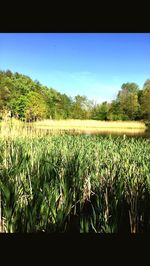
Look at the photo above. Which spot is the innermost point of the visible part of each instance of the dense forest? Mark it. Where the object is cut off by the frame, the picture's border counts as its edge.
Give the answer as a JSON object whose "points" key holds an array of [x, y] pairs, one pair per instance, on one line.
{"points": [[28, 100]]}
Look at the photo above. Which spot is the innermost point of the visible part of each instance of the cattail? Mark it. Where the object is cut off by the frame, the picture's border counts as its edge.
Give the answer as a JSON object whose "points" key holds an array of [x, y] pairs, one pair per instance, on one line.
{"points": [[87, 189]]}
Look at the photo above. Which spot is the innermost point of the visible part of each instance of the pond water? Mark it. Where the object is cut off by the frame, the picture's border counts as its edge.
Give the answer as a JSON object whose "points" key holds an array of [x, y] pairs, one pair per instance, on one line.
{"points": [[129, 133], [103, 132]]}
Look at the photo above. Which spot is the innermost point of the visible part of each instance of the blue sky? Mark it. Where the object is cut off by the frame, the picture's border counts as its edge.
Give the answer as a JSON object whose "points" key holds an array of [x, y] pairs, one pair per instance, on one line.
{"points": [[91, 64]]}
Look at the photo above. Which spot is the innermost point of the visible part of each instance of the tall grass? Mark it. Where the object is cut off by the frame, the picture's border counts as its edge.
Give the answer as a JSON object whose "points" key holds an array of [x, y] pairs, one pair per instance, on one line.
{"points": [[65, 183], [89, 124], [14, 128]]}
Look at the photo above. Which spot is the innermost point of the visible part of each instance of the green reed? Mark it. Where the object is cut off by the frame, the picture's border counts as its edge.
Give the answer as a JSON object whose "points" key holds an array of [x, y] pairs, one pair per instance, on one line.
{"points": [[75, 183]]}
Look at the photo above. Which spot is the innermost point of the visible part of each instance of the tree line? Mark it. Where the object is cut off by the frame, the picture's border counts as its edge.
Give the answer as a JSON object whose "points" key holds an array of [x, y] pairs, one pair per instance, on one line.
{"points": [[29, 100]]}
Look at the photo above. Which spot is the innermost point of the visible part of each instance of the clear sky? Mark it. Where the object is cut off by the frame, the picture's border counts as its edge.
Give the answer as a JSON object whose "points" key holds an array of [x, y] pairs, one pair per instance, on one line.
{"points": [[91, 64]]}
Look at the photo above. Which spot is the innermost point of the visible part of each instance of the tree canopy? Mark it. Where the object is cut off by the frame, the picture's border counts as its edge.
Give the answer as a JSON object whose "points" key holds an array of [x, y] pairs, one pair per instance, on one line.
{"points": [[29, 100]]}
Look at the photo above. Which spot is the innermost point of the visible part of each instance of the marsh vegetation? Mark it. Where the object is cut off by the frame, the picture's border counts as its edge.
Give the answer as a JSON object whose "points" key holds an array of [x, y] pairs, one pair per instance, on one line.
{"points": [[73, 183]]}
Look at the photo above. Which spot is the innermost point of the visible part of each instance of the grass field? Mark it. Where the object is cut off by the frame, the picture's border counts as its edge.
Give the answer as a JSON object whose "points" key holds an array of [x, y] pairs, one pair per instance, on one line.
{"points": [[73, 183], [89, 124]]}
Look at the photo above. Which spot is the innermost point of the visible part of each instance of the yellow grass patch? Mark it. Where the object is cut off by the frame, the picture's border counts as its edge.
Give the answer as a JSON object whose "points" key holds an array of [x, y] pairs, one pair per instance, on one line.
{"points": [[14, 128], [89, 124]]}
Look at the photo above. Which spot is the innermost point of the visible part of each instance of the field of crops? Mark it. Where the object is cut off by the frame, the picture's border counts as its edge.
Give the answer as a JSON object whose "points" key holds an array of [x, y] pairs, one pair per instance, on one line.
{"points": [[80, 183]]}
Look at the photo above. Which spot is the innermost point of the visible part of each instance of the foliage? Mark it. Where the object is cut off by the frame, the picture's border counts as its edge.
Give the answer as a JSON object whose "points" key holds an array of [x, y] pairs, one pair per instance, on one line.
{"points": [[28, 99], [128, 99], [19, 93], [145, 100], [101, 111], [35, 107], [81, 108]]}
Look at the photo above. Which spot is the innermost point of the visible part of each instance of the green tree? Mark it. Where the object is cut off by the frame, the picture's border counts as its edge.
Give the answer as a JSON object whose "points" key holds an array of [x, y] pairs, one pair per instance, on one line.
{"points": [[65, 106], [115, 111], [101, 111], [36, 108], [80, 107], [18, 107], [6, 88], [128, 99], [28, 99], [145, 100]]}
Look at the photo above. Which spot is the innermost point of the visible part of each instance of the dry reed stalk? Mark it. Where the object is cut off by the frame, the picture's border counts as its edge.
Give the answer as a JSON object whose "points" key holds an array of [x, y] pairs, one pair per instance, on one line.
{"points": [[87, 189], [107, 208]]}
